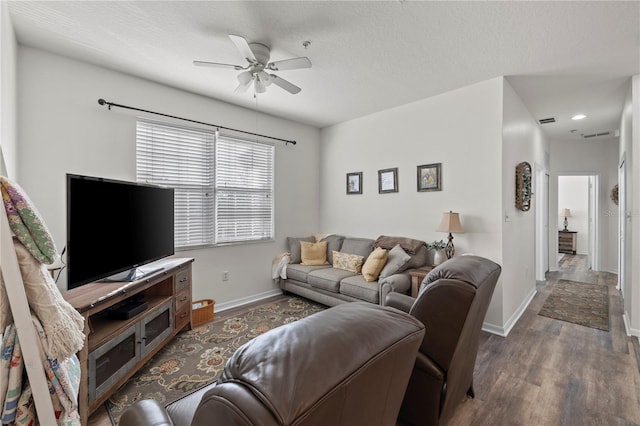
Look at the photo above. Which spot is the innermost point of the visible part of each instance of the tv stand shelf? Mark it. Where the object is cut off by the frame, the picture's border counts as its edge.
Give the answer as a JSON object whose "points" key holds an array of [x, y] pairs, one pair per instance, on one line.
{"points": [[115, 349]]}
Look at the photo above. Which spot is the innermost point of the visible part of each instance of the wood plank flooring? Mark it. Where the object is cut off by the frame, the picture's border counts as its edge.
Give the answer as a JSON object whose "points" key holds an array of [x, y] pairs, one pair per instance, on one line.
{"points": [[551, 372]]}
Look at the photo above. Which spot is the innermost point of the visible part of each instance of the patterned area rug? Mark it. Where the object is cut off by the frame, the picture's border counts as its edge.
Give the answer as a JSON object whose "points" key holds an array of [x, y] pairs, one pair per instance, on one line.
{"points": [[578, 303], [197, 357]]}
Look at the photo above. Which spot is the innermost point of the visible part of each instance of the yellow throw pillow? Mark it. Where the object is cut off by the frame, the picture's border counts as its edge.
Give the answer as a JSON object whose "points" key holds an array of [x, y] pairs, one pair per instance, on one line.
{"points": [[348, 262], [313, 254], [374, 264]]}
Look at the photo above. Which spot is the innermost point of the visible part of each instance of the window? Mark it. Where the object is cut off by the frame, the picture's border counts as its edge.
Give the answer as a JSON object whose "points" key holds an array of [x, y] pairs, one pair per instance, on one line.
{"points": [[223, 186]]}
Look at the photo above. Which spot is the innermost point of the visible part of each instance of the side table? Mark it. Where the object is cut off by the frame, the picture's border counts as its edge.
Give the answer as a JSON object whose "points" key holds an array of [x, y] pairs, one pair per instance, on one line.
{"points": [[417, 275]]}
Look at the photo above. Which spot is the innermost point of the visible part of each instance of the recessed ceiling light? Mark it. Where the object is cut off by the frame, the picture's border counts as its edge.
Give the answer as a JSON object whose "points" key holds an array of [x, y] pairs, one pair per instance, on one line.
{"points": [[578, 117]]}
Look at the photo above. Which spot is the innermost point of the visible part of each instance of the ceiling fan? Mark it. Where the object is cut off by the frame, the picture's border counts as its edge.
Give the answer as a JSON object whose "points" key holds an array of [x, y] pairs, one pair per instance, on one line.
{"points": [[259, 68]]}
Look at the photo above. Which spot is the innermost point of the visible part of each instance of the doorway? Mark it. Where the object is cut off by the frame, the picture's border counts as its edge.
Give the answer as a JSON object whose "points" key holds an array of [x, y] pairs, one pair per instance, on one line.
{"points": [[578, 208], [542, 223]]}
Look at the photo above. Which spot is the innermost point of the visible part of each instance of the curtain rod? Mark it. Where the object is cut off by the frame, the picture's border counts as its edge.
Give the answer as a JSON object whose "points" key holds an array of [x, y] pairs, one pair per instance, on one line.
{"points": [[110, 104]]}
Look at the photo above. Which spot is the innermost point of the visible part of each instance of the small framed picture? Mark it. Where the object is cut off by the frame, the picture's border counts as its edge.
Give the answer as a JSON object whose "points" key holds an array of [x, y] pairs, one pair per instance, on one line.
{"points": [[354, 183], [430, 177], [388, 180]]}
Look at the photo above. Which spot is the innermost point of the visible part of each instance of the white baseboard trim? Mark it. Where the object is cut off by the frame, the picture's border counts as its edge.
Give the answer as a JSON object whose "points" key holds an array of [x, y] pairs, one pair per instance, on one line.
{"points": [[627, 327], [506, 329], [220, 307]]}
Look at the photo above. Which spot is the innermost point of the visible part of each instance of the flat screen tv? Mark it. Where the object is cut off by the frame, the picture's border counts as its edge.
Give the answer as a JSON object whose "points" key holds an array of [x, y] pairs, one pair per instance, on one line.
{"points": [[114, 228]]}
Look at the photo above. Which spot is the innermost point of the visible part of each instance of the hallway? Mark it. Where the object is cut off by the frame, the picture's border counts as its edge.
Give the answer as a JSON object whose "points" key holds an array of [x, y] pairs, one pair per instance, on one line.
{"points": [[551, 372]]}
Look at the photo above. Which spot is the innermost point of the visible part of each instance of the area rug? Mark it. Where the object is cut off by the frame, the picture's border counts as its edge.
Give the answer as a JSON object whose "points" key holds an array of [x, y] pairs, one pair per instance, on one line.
{"points": [[197, 357], [579, 303]]}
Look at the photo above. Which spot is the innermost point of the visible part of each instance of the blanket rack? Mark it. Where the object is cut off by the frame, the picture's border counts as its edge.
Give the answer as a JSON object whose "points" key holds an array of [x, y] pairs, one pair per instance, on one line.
{"points": [[27, 335]]}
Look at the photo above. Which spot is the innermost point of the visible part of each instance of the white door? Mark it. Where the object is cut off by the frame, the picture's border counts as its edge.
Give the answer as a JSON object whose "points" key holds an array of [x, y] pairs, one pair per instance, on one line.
{"points": [[622, 224], [542, 223]]}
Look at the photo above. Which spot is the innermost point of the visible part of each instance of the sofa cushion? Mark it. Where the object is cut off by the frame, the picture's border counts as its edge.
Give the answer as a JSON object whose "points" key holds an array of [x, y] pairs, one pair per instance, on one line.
{"points": [[293, 244], [374, 264], [396, 261], [313, 253], [298, 272], [348, 262], [360, 246], [334, 242], [356, 286], [328, 278]]}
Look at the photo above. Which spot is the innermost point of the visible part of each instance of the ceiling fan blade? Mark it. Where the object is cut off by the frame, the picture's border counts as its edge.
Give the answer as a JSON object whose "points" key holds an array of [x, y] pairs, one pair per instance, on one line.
{"points": [[289, 87], [290, 64], [216, 65], [243, 46]]}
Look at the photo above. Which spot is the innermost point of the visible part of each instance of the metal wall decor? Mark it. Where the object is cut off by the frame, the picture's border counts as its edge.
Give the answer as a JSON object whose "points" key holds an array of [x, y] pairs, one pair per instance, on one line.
{"points": [[523, 186]]}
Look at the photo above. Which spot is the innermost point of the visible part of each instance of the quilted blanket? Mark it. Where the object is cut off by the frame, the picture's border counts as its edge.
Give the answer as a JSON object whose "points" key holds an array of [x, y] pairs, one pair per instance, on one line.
{"points": [[63, 378]]}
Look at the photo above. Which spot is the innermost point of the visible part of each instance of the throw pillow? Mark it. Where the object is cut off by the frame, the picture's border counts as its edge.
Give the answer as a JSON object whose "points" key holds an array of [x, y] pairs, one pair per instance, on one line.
{"points": [[348, 262], [396, 260], [294, 247], [374, 264], [313, 254]]}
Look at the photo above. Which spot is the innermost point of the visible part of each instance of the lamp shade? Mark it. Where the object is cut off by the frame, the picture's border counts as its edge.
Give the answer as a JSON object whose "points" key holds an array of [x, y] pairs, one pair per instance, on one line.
{"points": [[565, 213], [450, 223]]}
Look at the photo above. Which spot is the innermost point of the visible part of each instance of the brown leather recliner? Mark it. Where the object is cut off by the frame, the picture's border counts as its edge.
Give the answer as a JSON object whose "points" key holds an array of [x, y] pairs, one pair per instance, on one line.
{"points": [[348, 365], [452, 303]]}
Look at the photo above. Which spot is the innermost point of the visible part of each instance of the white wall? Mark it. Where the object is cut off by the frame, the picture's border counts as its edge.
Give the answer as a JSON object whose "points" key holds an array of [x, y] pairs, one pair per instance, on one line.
{"points": [[460, 129], [629, 149], [63, 130], [522, 140], [573, 194], [589, 157], [8, 104]]}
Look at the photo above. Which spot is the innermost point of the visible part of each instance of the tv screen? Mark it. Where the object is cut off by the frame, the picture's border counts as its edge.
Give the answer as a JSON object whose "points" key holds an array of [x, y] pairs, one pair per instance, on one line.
{"points": [[114, 227]]}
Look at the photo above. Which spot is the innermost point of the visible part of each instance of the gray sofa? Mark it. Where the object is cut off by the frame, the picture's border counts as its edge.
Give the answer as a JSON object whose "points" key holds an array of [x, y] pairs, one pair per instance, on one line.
{"points": [[332, 286]]}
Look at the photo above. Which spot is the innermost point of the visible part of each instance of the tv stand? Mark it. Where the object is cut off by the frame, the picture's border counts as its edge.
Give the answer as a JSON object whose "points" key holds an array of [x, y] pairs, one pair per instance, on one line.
{"points": [[114, 349]]}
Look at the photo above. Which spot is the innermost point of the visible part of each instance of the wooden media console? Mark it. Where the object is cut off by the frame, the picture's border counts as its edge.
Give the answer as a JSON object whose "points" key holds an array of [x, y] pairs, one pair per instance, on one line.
{"points": [[115, 349]]}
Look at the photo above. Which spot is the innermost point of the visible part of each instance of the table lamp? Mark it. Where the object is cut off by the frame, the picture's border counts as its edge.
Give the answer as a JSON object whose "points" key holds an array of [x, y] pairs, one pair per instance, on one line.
{"points": [[451, 224], [565, 213]]}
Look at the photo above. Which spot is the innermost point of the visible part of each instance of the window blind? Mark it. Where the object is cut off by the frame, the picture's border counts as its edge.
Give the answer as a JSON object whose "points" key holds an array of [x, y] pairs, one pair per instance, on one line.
{"points": [[243, 190], [223, 187], [183, 159]]}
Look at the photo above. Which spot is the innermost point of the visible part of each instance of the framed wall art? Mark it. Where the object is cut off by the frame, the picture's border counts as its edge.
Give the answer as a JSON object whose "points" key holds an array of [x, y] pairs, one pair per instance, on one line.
{"points": [[354, 183], [388, 180], [430, 177]]}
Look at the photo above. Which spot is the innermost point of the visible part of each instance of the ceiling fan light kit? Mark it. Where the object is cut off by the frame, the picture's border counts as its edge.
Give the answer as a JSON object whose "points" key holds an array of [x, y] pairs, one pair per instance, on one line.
{"points": [[256, 73]]}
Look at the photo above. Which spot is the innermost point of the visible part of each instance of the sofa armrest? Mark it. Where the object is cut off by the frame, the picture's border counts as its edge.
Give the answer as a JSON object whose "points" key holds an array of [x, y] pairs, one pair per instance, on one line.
{"points": [[400, 301], [145, 412], [396, 283]]}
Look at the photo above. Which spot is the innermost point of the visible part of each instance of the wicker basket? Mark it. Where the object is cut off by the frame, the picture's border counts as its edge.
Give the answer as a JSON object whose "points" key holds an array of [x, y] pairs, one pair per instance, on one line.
{"points": [[202, 311]]}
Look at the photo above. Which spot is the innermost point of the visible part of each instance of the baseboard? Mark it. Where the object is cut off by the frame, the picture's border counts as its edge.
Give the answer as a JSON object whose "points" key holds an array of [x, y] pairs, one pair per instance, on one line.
{"points": [[627, 327], [610, 270], [504, 331], [220, 307]]}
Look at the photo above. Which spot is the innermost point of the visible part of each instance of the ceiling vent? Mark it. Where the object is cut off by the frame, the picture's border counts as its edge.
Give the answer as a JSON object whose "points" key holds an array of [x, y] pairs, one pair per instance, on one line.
{"points": [[547, 120], [594, 135]]}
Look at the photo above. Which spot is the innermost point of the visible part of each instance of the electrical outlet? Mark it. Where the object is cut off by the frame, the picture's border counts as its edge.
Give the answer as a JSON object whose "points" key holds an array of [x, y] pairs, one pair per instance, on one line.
{"points": [[225, 276]]}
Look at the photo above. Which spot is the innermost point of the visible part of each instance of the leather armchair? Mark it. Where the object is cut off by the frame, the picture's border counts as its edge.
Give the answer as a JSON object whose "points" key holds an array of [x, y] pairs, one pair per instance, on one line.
{"points": [[452, 303], [348, 365]]}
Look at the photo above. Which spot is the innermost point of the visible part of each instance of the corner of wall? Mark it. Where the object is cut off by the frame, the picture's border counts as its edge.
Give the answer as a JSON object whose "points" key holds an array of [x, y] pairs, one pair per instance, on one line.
{"points": [[8, 102]]}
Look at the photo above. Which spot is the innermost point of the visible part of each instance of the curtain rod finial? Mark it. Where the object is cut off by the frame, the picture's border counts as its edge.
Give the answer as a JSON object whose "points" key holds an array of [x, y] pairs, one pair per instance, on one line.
{"points": [[102, 101]]}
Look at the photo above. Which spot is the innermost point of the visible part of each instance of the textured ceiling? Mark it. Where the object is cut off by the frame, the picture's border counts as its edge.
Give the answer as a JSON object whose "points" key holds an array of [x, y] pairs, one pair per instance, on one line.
{"points": [[561, 57]]}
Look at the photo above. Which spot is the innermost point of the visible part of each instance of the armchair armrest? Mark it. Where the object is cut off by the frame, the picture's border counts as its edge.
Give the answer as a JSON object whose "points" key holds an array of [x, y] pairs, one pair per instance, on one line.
{"points": [[400, 301], [145, 412]]}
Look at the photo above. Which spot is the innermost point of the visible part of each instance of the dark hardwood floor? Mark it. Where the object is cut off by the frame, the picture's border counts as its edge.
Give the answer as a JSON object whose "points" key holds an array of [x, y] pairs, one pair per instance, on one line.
{"points": [[551, 372], [548, 372]]}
